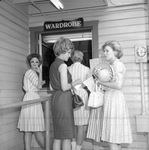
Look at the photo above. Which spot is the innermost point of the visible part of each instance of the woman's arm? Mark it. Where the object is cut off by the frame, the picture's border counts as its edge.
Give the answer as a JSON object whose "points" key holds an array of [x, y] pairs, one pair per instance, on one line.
{"points": [[51, 87], [118, 82], [64, 78], [33, 78], [40, 81], [112, 84]]}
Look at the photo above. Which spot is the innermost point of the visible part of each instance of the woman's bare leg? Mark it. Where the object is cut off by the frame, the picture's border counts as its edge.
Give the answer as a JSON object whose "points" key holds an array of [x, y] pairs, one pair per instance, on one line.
{"points": [[40, 138], [66, 144], [81, 131], [28, 139], [57, 144], [114, 146]]}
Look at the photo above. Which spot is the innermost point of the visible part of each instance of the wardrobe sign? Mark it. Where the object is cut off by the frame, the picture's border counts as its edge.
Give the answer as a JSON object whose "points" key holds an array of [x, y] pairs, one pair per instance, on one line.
{"points": [[64, 24]]}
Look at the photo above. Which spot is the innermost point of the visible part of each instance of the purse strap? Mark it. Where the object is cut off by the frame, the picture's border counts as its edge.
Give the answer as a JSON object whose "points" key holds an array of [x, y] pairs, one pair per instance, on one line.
{"points": [[72, 88], [111, 70], [96, 87]]}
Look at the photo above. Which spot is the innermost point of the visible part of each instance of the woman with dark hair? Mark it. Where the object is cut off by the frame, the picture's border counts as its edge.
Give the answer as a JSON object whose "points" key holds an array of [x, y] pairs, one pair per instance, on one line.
{"points": [[116, 128], [81, 115], [31, 119], [61, 83]]}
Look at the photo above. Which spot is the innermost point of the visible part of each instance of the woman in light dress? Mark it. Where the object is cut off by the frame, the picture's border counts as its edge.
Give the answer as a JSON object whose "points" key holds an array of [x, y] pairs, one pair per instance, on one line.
{"points": [[31, 119], [81, 115], [116, 128]]}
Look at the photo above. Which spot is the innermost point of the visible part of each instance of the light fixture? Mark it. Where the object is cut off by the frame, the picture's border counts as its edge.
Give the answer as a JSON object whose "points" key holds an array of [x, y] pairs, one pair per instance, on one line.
{"points": [[58, 4]]}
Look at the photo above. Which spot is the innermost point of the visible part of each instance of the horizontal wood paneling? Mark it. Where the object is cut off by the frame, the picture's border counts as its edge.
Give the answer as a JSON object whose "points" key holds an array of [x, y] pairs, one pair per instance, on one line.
{"points": [[8, 127], [133, 97], [13, 78], [11, 94], [9, 135], [14, 47], [13, 54], [122, 37], [132, 43], [133, 82], [12, 143], [126, 23], [18, 147], [13, 62], [10, 13], [10, 100], [10, 31], [123, 29], [9, 85], [9, 116], [14, 26], [124, 14], [14, 41]]}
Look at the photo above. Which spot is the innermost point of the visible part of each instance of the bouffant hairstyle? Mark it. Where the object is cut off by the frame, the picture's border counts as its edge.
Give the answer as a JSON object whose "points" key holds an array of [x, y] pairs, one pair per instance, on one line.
{"points": [[62, 45], [33, 55], [77, 56], [115, 46]]}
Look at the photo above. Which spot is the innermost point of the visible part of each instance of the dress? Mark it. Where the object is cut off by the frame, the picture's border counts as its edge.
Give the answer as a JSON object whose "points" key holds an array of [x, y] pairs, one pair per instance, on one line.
{"points": [[31, 117], [61, 105], [79, 71], [116, 124]]}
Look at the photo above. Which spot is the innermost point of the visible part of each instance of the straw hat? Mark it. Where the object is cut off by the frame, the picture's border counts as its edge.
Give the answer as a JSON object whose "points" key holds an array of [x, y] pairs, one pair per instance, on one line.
{"points": [[103, 71]]}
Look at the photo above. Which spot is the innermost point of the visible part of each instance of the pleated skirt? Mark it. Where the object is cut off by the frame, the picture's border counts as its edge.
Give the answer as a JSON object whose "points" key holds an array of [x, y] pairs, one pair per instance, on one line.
{"points": [[116, 127], [31, 117], [81, 115], [95, 124]]}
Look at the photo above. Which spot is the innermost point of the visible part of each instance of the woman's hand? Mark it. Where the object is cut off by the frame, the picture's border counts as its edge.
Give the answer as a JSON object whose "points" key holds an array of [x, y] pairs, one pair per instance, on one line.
{"points": [[98, 81], [43, 82], [38, 69]]}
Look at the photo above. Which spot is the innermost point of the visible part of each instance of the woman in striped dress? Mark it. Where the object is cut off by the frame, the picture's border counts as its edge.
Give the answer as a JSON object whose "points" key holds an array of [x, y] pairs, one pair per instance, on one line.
{"points": [[31, 119], [116, 128], [81, 115]]}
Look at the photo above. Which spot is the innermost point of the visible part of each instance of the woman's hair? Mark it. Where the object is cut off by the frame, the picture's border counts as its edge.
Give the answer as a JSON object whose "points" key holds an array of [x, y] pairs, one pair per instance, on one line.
{"points": [[77, 56], [62, 45], [33, 55], [115, 46]]}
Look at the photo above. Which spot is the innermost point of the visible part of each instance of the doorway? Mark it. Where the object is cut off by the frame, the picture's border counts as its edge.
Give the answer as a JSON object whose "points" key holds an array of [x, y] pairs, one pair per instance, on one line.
{"points": [[82, 41], [36, 34]]}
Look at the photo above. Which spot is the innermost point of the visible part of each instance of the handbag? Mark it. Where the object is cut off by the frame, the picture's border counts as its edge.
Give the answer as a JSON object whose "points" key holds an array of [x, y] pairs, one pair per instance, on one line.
{"points": [[76, 100], [96, 97]]}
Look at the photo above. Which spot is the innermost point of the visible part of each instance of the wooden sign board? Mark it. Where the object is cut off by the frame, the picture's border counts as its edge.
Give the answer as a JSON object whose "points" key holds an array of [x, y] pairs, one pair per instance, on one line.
{"points": [[64, 24]]}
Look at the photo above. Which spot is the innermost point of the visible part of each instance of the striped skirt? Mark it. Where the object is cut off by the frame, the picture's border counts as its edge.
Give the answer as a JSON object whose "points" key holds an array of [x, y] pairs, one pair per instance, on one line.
{"points": [[95, 124], [81, 115], [31, 117]]}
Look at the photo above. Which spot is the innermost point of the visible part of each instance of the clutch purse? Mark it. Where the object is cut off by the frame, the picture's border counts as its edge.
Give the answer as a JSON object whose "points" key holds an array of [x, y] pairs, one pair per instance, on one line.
{"points": [[76, 100]]}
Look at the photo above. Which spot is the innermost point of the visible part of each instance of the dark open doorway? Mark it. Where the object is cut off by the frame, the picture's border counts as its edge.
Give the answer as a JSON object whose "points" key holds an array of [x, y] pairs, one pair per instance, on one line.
{"points": [[48, 56]]}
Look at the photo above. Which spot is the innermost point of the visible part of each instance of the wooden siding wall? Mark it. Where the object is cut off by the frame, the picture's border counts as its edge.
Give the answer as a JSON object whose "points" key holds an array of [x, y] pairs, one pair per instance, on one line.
{"points": [[129, 26], [14, 45]]}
